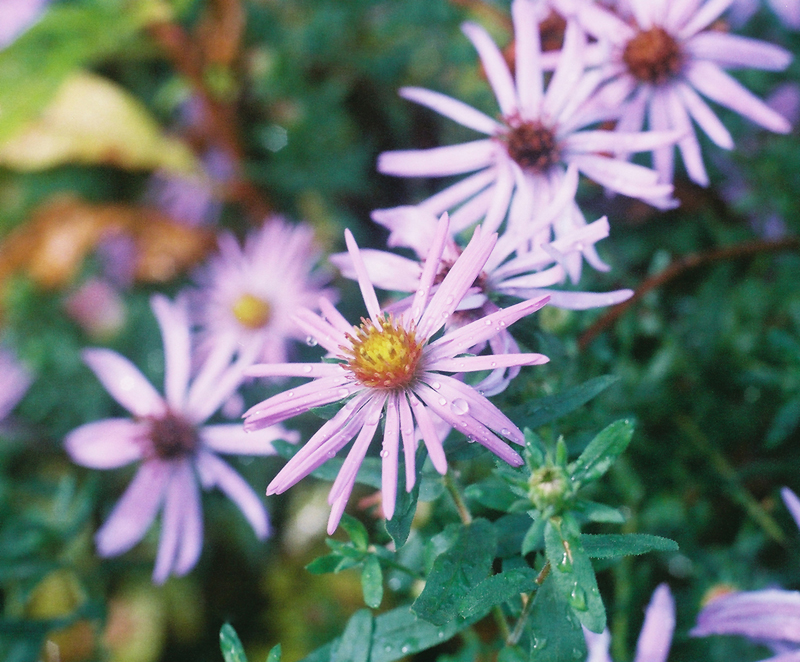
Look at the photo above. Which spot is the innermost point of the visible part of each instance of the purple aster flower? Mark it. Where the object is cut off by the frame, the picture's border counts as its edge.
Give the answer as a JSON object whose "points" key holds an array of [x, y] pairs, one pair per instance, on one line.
{"points": [[658, 58], [16, 16], [167, 435], [770, 616], [655, 637], [526, 152], [248, 294], [517, 267], [392, 366]]}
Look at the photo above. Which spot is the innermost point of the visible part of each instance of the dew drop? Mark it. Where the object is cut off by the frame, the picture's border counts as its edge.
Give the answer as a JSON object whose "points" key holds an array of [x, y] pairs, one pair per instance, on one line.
{"points": [[488, 322], [565, 565], [505, 432], [440, 634], [578, 598], [449, 300], [579, 246], [445, 315], [539, 643], [331, 453], [343, 392], [494, 364], [311, 341], [290, 394], [459, 406], [404, 650], [384, 453], [387, 648], [502, 323], [443, 401], [307, 368], [436, 385]]}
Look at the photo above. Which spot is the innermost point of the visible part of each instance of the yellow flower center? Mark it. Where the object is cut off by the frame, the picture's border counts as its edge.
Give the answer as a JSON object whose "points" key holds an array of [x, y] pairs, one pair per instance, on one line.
{"points": [[385, 356], [251, 311]]}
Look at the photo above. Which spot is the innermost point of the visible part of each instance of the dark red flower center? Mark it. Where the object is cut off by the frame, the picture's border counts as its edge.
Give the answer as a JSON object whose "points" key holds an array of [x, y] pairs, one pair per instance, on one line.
{"points": [[173, 437], [531, 144], [653, 56]]}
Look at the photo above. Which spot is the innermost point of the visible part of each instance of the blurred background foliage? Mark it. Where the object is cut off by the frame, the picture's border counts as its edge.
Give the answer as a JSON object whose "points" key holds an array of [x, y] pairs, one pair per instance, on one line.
{"points": [[300, 96]]}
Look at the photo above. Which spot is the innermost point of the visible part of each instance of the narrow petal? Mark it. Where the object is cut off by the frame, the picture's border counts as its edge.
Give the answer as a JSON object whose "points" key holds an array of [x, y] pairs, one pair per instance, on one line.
{"points": [[430, 437], [569, 300], [659, 624], [704, 116], [568, 72], [191, 543], [388, 271], [364, 283], [237, 490], [495, 67], [455, 194], [233, 439], [528, 51], [490, 362], [106, 444], [389, 460], [295, 370], [771, 615], [731, 50], [174, 324], [688, 145], [704, 16], [627, 178], [718, 86], [124, 382], [659, 118], [430, 269], [409, 441], [619, 142], [598, 645], [135, 511], [438, 161], [792, 503], [452, 108], [328, 335], [334, 317]]}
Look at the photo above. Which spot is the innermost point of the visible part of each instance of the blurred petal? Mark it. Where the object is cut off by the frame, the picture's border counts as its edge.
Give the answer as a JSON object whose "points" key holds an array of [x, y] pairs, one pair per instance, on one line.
{"points": [[106, 444], [124, 382]]}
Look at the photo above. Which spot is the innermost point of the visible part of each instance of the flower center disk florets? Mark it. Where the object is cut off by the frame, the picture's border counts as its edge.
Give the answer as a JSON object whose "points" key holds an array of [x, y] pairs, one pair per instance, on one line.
{"points": [[251, 311], [384, 356], [172, 437], [653, 56], [531, 144]]}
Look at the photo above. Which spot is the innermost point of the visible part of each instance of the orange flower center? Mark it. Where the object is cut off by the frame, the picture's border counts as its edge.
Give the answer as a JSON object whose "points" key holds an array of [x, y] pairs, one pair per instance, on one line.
{"points": [[531, 144], [384, 356], [653, 56], [173, 437], [252, 312]]}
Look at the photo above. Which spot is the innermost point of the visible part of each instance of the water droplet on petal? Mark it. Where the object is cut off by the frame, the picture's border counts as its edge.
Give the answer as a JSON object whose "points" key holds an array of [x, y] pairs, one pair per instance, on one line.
{"points": [[449, 300], [343, 392], [331, 453], [505, 432], [459, 406], [384, 453], [290, 394], [443, 401], [436, 385], [311, 341], [306, 368], [494, 364], [488, 322]]}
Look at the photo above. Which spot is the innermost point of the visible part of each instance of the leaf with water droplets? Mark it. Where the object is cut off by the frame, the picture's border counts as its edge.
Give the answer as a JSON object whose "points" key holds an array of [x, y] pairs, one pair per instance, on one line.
{"points": [[497, 589], [602, 452], [355, 642], [456, 572], [609, 546], [555, 632], [274, 654], [572, 571], [372, 582], [231, 645]]}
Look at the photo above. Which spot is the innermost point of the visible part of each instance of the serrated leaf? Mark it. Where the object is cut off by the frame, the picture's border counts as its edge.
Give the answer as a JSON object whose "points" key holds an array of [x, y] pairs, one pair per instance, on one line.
{"points": [[544, 410], [274, 654], [497, 589], [356, 640], [599, 512], [510, 531], [372, 582], [92, 120], [556, 634], [607, 546], [602, 452], [572, 571], [456, 572], [492, 493], [231, 645], [356, 530]]}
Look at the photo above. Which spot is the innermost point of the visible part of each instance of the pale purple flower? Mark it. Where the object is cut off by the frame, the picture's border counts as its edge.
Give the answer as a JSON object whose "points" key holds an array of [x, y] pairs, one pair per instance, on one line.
{"points": [[392, 366], [655, 637], [659, 60], [518, 267], [15, 379], [525, 153], [16, 16], [176, 451], [770, 616], [248, 294]]}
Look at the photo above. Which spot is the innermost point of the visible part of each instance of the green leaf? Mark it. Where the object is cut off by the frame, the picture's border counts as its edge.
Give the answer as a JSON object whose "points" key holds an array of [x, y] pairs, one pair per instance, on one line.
{"points": [[572, 571], [544, 410], [534, 536], [231, 645], [607, 546], [602, 451], [372, 582], [405, 506], [510, 531], [786, 420], [330, 563], [456, 572], [274, 654], [496, 590], [356, 640], [493, 492], [556, 634], [599, 512], [356, 530]]}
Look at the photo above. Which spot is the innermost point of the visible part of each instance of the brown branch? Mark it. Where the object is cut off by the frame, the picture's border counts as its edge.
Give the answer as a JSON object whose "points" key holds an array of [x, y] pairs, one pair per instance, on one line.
{"points": [[678, 268], [187, 56]]}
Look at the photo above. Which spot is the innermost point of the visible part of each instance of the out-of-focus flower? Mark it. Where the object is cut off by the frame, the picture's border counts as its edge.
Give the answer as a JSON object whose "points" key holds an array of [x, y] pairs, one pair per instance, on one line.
{"points": [[517, 267], [248, 294], [389, 366], [656, 57], [167, 436], [16, 16], [770, 616], [97, 307], [654, 639], [539, 134], [788, 11], [15, 380]]}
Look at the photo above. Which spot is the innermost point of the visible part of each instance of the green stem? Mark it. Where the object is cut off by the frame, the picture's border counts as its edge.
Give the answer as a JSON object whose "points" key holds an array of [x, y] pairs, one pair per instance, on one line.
{"points": [[513, 638]]}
